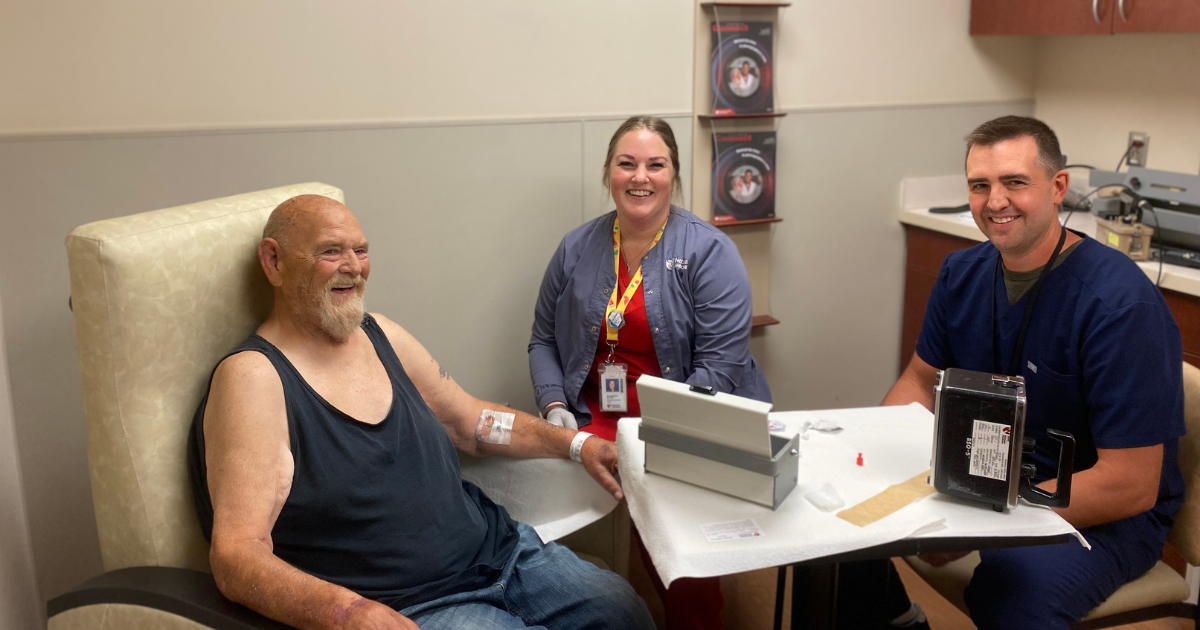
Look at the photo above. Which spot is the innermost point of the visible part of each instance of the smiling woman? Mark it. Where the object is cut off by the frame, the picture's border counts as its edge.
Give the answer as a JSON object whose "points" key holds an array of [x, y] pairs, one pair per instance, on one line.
{"points": [[645, 289]]}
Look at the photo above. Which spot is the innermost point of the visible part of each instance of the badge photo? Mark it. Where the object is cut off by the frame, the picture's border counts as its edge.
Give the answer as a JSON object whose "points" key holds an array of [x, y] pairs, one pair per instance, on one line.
{"points": [[612, 383]]}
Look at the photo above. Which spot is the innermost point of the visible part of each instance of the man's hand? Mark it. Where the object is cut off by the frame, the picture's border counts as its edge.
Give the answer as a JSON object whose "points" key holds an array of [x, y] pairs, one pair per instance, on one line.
{"points": [[600, 461], [365, 614]]}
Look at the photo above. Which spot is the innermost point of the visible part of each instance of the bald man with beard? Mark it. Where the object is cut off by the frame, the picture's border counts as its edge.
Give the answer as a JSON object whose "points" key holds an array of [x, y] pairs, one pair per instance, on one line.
{"points": [[325, 475]]}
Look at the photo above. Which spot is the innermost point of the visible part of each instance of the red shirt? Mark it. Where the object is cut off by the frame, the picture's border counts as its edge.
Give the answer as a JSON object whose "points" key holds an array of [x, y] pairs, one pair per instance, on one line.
{"points": [[635, 348]]}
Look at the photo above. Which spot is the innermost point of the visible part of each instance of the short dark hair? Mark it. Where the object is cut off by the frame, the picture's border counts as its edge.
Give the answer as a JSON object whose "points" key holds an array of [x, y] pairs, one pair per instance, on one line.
{"points": [[1050, 156], [656, 125]]}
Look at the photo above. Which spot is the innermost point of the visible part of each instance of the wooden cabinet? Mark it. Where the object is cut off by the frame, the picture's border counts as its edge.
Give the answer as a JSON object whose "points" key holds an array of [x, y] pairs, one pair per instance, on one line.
{"points": [[1041, 17], [1156, 16], [926, 251], [1083, 17]]}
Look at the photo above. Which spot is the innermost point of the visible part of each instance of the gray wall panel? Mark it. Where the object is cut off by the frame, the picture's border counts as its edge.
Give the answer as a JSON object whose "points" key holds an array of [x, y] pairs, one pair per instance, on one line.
{"points": [[837, 259]]}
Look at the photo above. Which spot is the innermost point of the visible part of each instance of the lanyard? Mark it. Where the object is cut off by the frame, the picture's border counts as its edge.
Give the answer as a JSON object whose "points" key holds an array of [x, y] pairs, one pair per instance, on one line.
{"points": [[614, 314], [1014, 365]]}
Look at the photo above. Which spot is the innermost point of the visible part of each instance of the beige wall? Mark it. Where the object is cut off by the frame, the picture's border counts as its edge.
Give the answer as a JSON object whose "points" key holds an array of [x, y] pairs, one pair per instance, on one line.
{"points": [[874, 52], [138, 64], [1094, 90], [20, 606]]}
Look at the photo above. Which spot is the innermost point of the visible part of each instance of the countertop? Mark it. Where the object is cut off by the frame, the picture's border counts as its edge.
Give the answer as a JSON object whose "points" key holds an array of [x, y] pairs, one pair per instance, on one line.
{"points": [[917, 195]]}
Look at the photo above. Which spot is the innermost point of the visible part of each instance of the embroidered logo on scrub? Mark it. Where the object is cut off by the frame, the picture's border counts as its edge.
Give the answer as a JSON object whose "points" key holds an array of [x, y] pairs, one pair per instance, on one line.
{"points": [[677, 263]]}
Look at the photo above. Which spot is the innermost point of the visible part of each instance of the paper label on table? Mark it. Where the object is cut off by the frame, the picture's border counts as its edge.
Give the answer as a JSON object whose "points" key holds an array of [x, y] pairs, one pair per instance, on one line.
{"points": [[989, 450], [732, 530], [1114, 239], [890, 500]]}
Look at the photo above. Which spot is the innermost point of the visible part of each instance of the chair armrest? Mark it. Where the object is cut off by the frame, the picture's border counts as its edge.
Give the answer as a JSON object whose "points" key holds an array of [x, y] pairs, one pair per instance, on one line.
{"points": [[184, 592]]}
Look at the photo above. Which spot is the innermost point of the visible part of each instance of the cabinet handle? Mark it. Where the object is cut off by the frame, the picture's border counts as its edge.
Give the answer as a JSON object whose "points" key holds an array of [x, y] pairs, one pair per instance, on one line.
{"points": [[1121, 10], [1096, 10]]}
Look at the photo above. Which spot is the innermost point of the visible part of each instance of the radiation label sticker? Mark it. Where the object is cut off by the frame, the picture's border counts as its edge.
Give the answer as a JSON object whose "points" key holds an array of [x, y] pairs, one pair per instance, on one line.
{"points": [[989, 450]]}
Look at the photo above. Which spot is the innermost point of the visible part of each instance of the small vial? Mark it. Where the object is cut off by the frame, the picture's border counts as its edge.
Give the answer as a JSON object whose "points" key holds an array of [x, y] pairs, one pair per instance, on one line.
{"points": [[859, 460]]}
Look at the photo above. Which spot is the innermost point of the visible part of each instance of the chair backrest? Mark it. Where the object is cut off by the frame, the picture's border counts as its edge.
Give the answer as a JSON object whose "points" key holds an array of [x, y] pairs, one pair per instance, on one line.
{"points": [[1185, 535], [158, 299]]}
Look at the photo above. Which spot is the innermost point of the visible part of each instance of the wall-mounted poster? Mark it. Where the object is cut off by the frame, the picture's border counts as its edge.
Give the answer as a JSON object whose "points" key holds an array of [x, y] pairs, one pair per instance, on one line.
{"points": [[741, 68], [743, 176]]}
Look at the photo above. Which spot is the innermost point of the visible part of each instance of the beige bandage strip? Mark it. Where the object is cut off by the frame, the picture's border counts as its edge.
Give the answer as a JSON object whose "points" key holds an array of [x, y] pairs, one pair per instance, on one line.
{"points": [[888, 501]]}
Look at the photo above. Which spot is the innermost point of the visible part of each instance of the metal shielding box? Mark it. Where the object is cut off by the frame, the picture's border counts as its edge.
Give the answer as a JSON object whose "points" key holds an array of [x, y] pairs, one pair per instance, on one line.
{"points": [[720, 442], [963, 398]]}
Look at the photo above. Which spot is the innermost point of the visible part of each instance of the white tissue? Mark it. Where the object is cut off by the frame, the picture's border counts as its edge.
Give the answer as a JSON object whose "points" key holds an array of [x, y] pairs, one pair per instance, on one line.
{"points": [[826, 499], [827, 426]]}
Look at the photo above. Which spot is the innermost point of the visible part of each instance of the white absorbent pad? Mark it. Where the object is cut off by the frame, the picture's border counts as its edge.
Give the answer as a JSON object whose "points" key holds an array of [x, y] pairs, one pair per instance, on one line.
{"points": [[554, 496], [677, 520]]}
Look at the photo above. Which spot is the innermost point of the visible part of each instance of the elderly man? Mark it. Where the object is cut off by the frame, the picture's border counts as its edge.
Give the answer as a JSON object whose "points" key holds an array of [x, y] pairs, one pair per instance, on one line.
{"points": [[1101, 358], [325, 474]]}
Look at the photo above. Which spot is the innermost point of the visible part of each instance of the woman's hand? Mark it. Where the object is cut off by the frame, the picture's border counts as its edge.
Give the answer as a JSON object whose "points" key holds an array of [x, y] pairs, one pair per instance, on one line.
{"points": [[558, 415]]}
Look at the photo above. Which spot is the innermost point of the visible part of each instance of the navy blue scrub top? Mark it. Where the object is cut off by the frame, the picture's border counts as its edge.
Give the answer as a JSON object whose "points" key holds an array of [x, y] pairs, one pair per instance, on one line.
{"points": [[1102, 360]]}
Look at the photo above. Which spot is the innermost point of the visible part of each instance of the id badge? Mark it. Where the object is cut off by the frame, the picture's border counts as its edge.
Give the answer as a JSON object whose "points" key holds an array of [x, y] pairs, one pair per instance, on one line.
{"points": [[613, 396]]}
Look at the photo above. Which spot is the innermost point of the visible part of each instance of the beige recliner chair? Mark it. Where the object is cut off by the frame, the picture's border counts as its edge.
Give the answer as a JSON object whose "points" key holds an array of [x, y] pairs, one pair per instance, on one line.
{"points": [[158, 299], [1161, 592]]}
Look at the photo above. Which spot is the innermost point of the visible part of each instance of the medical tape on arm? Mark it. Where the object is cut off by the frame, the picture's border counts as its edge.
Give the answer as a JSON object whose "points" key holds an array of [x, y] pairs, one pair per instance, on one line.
{"points": [[495, 427]]}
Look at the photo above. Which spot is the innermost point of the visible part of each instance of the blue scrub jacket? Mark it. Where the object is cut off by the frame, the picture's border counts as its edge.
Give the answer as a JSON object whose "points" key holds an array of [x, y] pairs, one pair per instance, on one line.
{"points": [[698, 306], [1103, 358]]}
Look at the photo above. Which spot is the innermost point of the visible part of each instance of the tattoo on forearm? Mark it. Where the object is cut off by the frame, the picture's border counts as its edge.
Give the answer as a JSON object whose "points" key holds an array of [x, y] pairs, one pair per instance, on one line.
{"points": [[442, 371]]}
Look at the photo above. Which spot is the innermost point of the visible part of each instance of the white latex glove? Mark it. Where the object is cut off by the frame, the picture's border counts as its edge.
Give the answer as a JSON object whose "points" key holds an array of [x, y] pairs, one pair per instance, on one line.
{"points": [[559, 416]]}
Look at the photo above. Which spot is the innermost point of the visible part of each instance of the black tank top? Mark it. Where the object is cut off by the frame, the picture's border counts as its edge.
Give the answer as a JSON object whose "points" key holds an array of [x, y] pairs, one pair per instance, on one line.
{"points": [[379, 509]]}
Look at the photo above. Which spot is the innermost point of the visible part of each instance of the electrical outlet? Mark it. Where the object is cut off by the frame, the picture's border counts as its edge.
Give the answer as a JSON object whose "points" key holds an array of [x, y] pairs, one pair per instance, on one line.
{"points": [[1139, 148]]}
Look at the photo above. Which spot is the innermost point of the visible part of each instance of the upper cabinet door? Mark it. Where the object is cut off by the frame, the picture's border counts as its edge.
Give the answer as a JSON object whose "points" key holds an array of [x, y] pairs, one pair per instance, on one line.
{"points": [[1046, 17], [1156, 16]]}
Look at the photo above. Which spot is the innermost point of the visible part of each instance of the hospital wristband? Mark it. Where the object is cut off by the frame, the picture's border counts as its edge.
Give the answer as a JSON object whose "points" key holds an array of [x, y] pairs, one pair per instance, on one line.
{"points": [[577, 445]]}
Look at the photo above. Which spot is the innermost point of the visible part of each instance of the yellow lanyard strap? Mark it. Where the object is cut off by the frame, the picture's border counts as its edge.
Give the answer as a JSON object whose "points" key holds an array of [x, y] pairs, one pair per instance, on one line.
{"points": [[614, 315]]}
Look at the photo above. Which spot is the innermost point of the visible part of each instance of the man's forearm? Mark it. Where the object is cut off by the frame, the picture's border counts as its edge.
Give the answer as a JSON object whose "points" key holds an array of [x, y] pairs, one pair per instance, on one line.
{"points": [[258, 579], [1101, 495], [908, 390], [530, 438]]}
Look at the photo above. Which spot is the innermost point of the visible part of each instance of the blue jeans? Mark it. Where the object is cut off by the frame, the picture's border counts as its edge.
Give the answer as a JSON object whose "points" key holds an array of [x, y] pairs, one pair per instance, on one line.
{"points": [[542, 586]]}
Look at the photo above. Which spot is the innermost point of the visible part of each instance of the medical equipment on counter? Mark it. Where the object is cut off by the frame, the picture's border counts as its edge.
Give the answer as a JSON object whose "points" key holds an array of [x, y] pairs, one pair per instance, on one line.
{"points": [[1173, 199]]}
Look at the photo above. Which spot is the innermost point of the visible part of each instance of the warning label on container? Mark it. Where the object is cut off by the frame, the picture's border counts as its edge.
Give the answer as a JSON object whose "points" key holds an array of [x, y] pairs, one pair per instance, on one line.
{"points": [[989, 450]]}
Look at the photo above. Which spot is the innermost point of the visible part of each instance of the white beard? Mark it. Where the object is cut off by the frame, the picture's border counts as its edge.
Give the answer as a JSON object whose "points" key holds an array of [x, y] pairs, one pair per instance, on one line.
{"points": [[338, 321]]}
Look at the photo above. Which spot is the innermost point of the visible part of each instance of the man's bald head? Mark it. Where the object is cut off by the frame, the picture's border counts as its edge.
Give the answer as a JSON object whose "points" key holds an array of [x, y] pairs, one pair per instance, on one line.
{"points": [[315, 255], [300, 214]]}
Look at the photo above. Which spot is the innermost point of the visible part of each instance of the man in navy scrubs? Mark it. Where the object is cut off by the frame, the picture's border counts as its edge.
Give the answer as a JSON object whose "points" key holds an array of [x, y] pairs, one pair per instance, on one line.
{"points": [[1102, 360]]}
